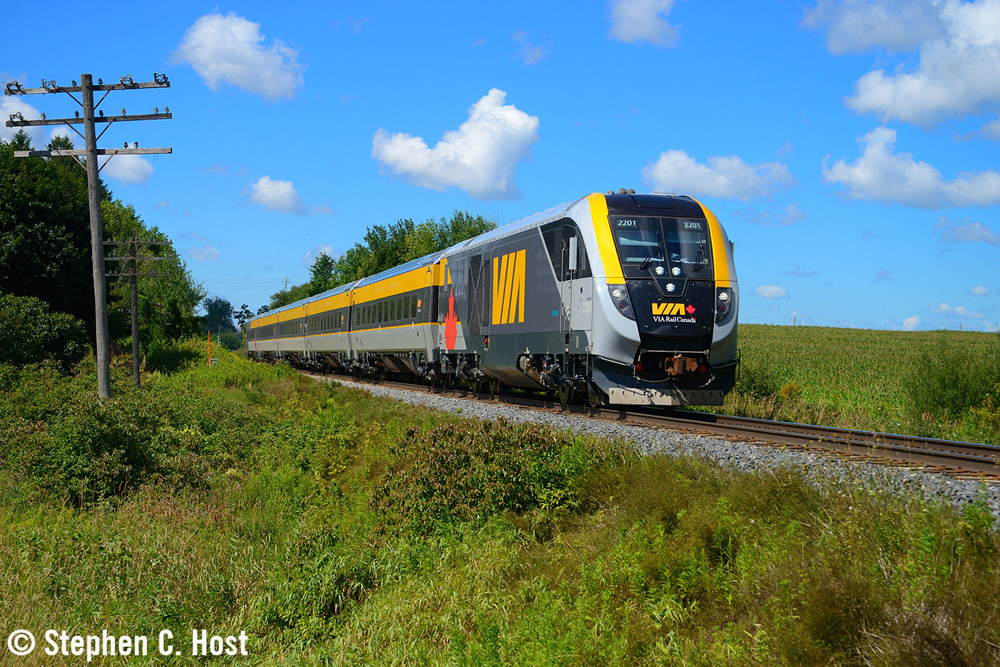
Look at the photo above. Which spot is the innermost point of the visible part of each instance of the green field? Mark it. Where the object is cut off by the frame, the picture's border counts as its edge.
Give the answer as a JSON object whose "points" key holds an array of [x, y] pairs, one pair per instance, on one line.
{"points": [[895, 381], [338, 529]]}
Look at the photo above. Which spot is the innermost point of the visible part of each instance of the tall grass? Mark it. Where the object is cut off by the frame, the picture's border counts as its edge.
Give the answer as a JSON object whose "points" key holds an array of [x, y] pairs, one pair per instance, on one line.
{"points": [[335, 528]]}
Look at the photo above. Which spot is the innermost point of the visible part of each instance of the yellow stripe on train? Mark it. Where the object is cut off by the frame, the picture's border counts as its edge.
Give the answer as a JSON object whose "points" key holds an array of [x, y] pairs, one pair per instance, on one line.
{"points": [[508, 287]]}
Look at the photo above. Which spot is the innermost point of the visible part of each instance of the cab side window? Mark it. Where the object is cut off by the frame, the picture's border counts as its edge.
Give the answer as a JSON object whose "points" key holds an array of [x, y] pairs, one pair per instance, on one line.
{"points": [[561, 238]]}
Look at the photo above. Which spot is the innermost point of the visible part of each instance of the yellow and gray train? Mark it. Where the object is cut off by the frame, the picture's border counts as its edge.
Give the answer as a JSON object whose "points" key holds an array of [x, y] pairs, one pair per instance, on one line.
{"points": [[629, 299]]}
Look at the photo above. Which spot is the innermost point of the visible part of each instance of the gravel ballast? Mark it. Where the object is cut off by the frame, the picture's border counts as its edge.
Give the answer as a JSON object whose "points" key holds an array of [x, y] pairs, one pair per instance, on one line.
{"points": [[740, 455]]}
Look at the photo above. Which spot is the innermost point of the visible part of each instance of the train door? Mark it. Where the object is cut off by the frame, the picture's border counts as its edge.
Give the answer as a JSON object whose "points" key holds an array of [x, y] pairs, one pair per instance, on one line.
{"points": [[477, 294]]}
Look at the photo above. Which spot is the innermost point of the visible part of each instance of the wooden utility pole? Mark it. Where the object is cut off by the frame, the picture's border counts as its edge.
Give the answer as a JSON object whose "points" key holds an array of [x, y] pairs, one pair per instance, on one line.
{"points": [[86, 90], [133, 281]]}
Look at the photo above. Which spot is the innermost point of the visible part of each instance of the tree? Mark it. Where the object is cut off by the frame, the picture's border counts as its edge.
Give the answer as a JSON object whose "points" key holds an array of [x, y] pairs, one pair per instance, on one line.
{"points": [[243, 315], [166, 303], [45, 229], [321, 273], [30, 333], [218, 315]]}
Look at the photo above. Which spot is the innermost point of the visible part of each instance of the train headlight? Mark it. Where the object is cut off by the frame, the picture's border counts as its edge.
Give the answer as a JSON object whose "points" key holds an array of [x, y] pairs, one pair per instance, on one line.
{"points": [[619, 297], [723, 304]]}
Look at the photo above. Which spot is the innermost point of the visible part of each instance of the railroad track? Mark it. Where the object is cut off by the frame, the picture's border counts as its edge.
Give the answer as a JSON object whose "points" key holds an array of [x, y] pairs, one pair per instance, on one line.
{"points": [[957, 459]]}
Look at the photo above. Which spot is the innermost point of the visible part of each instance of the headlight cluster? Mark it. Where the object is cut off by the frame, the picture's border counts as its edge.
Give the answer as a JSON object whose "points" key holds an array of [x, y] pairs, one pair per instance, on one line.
{"points": [[619, 297], [724, 298]]}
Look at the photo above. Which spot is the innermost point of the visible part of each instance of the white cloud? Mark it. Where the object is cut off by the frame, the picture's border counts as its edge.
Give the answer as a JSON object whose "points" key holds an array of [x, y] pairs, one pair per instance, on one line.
{"points": [[958, 312], [956, 74], [772, 292], [979, 290], [279, 196], [965, 232], [857, 26], [643, 21], [882, 275], [230, 49], [771, 218], [129, 169], [530, 53], [881, 175], [725, 176], [801, 273], [479, 157], [164, 205], [322, 209], [205, 253], [910, 323], [312, 254]]}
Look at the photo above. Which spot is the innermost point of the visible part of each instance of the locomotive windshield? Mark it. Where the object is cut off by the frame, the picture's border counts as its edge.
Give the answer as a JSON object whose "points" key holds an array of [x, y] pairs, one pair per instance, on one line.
{"points": [[650, 246]]}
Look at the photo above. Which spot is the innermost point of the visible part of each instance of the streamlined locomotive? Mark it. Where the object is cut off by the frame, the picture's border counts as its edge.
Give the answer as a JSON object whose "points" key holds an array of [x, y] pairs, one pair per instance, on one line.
{"points": [[630, 299]]}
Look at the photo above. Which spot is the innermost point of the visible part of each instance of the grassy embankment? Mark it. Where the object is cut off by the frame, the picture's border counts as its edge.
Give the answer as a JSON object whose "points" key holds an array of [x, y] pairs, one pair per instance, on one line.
{"points": [[935, 383], [335, 528]]}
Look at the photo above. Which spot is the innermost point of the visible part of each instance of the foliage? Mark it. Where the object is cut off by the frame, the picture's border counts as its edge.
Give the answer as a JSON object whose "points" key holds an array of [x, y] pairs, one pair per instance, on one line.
{"points": [[31, 334], [166, 303], [472, 470], [382, 249], [45, 229]]}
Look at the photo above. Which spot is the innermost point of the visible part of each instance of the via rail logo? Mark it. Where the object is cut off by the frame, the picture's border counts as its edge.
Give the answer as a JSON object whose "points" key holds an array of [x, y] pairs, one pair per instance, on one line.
{"points": [[673, 313]]}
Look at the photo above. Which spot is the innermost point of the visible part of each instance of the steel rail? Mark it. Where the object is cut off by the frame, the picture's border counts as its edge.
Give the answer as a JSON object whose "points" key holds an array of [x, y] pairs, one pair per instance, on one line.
{"points": [[955, 458]]}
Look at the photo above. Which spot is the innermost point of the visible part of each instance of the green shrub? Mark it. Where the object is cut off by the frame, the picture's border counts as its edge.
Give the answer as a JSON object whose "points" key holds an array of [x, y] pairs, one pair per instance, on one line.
{"points": [[950, 378], [472, 470], [31, 334]]}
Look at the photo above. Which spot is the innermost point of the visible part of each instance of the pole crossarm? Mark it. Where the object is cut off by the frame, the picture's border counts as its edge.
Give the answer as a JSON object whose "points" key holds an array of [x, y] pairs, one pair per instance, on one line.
{"points": [[79, 121], [100, 151], [139, 259], [14, 88]]}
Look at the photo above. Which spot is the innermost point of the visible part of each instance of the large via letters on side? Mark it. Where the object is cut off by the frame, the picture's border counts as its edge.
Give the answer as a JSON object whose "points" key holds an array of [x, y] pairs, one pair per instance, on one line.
{"points": [[508, 288]]}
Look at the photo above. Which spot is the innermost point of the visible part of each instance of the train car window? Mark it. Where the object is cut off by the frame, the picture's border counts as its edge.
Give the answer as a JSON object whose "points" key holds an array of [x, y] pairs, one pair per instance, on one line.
{"points": [[413, 308], [406, 306], [399, 308], [381, 312], [552, 235], [392, 311]]}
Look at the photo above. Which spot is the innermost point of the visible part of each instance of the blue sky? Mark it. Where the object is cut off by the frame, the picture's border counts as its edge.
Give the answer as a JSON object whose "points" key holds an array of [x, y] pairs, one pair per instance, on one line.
{"points": [[849, 147]]}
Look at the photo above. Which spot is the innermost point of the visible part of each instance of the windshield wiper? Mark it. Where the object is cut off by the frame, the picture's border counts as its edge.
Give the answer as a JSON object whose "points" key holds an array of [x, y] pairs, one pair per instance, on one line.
{"points": [[700, 259], [645, 263]]}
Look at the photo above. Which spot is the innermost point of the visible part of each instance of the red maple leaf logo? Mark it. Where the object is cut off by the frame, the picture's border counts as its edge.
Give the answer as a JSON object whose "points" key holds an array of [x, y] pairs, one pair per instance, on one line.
{"points": [[690, 310], [450, 322]]}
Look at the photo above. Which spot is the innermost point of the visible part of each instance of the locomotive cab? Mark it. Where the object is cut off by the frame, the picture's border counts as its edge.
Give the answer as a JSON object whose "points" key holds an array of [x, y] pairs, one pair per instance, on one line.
{"points": [[677, 286]]}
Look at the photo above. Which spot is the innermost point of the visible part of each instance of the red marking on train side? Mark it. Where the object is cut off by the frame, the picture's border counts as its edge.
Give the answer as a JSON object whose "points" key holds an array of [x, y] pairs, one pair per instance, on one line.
{"points": [[450, 322]]}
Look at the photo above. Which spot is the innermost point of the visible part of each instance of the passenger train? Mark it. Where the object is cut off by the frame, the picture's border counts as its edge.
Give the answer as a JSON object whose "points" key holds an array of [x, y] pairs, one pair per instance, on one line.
{"points": [[629, 299]]}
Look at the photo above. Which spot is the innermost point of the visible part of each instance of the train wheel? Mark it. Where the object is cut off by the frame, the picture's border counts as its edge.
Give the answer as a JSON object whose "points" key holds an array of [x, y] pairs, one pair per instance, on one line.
{"points": [[565, 395], [594, 397]]}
